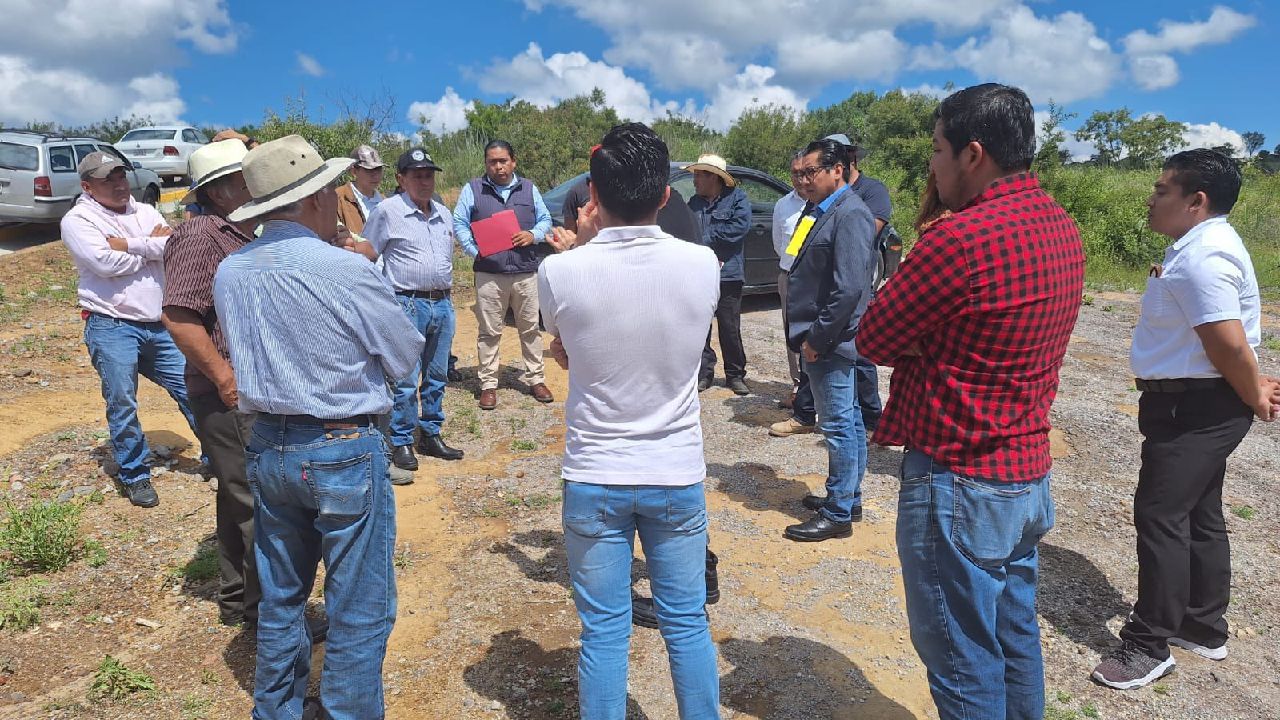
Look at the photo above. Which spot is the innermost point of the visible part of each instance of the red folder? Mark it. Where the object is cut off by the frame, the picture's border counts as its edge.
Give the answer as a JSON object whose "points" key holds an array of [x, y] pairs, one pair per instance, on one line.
{"points": [[493, 234]]}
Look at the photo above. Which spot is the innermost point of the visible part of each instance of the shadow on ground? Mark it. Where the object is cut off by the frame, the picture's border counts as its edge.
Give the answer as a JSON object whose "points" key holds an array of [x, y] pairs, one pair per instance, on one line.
{"points": [[1078, 598], [758, 487]]}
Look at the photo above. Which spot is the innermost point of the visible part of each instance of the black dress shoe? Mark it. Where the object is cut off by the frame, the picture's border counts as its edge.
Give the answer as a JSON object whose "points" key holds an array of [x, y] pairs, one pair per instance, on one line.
{"points": [[713, 578], [402, 457], [738, 386], [816, 502], [642, 612], [817, 529], [433, 445], [704, 383]]}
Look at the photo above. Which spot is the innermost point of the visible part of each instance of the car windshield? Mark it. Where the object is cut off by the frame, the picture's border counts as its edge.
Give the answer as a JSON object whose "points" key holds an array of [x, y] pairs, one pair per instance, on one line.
{"points": [[148, 134], [18, 157]]}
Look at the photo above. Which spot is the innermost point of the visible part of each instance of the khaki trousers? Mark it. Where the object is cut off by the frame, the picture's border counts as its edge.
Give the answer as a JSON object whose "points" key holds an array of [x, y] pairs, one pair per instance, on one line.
{"points": [[494, 294], [793, 359]]}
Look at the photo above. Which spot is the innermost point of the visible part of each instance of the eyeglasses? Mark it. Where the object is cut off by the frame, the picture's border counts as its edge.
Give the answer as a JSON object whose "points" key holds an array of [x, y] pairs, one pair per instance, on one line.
{"points": [[807, 174]]}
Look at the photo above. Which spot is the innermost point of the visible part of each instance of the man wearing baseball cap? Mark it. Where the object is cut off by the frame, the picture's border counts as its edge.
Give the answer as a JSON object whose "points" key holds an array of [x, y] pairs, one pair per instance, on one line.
{"points": [[117, 246], [724, 216], [413, 235], [314, 332], [358, 198]]}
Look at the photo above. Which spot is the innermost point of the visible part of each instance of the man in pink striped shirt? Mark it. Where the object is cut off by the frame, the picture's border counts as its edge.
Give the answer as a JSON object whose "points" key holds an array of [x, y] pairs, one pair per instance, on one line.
{"points": [[117, 246]]}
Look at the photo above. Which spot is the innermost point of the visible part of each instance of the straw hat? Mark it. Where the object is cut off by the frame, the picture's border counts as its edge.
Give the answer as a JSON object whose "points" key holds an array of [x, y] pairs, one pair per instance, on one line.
{"points": [[284, 171], [213, 161], [713, 164]]}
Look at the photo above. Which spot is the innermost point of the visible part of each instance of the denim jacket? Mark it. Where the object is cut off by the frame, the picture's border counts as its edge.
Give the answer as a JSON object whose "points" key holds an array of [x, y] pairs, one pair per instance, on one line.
{"points": [[725, 223]]}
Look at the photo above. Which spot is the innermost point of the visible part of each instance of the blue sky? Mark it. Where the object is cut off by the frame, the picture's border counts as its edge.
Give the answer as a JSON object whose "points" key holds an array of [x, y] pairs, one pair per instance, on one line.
{"points": [[220, 62]]}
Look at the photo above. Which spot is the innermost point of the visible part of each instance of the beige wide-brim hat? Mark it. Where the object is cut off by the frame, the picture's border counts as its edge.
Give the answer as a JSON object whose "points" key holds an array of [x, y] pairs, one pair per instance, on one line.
{"points": [[284, 171], [713, 164], [213, 161]]}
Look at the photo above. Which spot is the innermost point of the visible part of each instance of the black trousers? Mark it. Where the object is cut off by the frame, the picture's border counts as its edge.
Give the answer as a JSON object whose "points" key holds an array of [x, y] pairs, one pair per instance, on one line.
{"points": [[1184, 557], [729, 325], [223, 435]]}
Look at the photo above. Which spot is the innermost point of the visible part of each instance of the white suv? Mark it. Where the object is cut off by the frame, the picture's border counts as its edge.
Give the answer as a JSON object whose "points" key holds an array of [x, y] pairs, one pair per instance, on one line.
{"points": [[163, 150], [38, 179]]}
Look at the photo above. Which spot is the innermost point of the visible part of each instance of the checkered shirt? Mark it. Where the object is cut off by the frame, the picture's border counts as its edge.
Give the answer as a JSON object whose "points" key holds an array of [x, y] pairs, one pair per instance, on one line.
{"points": [[989, 297]]}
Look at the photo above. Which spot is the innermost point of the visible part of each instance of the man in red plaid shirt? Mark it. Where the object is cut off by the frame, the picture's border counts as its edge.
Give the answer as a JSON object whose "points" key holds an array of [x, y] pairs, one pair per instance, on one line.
{"points": [[975, 324]]}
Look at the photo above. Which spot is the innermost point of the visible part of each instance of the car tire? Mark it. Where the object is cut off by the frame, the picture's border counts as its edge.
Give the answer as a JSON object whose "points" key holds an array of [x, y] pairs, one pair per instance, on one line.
{"points": [[151, 195]]}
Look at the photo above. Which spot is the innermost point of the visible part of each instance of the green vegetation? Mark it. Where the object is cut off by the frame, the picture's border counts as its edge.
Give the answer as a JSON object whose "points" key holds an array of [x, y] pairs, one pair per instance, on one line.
{"points": [[113, 681], [95, 553], [201, 568], [1090, 710], [1244, 512], [522, 445], [44, 537], [20, 602]]}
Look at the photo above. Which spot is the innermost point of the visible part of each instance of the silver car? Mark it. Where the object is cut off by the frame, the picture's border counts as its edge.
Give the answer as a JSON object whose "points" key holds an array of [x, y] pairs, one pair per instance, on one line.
{"points": [[163, 150], [38, 180]]}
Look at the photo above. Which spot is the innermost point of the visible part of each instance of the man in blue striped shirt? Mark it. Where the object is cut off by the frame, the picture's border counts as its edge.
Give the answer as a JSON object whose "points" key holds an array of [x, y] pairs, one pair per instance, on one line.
{"points": [[314, 332], [413, 234]]}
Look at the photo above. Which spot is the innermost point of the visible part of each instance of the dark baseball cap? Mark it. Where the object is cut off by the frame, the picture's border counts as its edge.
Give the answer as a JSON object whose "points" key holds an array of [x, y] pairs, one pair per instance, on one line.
{"points": [[416, 158]]}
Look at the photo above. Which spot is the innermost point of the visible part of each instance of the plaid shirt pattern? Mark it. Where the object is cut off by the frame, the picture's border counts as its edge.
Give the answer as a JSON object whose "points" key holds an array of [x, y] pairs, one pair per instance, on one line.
{"points": [[989, 297]]}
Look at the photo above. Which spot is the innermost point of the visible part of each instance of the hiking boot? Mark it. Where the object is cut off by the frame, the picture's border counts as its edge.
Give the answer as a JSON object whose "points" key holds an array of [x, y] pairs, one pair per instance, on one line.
{"points": [[142, 494], [789, 427], [1129, 667], [738, 386]]}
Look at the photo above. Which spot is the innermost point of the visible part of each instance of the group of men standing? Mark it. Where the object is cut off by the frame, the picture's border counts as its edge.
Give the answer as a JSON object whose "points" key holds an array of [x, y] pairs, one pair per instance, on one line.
{"points": [[300, 336]]}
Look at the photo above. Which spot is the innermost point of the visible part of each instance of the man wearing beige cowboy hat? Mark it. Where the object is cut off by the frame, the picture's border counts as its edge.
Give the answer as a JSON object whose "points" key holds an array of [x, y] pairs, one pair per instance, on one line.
{"points": [[358, 198], [724, 215], [314, 332], [190, 259]]}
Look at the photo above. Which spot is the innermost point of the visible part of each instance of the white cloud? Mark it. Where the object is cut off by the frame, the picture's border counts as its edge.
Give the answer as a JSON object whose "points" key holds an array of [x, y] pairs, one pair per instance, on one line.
{"points": [[445, 115], [1154, 72], [933, 91], [1207, 135], [1079, 151], [815, 61], [750, 88], [1060, 58], [675, 59], [29, 93], [309, 65], [1150, 63]]}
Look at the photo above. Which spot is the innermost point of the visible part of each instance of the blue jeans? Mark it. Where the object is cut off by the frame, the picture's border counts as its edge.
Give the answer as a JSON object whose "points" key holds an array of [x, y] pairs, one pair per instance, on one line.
{"points": [[868, 396], [120, 350], [835, 395], [419, 396], [600, 524], [322, 495], [969, 568]]}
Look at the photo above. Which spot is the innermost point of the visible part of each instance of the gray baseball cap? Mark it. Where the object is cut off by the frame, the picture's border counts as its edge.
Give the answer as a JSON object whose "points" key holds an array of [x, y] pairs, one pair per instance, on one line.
{"points": [[366, 157], [858, 151], [98, 165]]}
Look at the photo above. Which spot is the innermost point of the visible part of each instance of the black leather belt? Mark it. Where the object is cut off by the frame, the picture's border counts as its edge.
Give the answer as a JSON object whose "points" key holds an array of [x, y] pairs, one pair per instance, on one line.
{"points": [[351, 421], [425, 294], [1177, 385]]}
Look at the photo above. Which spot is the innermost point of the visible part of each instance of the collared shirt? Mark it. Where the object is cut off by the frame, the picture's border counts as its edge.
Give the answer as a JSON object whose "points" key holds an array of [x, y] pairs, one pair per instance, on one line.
{"points": [[126, 284], [416, 249], [989, 296], [312, 329], [367, 202], [467, 202], [632, 413], [725, 222], [1207, 276], [191, 258], [786, 213]]}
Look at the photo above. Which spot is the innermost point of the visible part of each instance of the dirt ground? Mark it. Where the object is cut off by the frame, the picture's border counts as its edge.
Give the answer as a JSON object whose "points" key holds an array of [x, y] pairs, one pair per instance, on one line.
{"points": [[486, 625]]}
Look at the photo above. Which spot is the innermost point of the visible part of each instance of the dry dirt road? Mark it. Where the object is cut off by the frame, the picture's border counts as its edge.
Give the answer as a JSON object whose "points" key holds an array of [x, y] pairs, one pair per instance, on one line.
{"points": [[486, 625]]}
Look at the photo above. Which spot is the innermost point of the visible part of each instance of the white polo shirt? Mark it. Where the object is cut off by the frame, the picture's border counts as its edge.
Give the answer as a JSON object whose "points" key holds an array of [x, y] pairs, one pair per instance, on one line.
{"points": [[786, 213], [632, 308], [1207, 277]]}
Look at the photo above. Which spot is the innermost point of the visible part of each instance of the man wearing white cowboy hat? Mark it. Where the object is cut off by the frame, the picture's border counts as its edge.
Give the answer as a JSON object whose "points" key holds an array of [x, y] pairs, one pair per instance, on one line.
{"points": [[724, 215], [314, 332], [191, 258]]}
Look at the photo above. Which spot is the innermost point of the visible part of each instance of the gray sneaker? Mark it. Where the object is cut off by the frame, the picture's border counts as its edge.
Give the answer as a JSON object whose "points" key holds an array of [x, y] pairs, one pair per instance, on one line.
{"points": [[1128, 667], [1204, 651], [142, 494]]}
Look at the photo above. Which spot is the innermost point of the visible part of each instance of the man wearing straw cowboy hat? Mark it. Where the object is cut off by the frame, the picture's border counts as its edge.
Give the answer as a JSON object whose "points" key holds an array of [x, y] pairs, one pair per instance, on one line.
{"points": [[314, 332], [724, 216], [190, 259]]}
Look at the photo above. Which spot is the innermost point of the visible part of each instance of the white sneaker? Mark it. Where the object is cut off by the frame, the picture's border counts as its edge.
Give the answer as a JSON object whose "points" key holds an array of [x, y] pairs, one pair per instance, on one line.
{"points": [[1218, 653]]}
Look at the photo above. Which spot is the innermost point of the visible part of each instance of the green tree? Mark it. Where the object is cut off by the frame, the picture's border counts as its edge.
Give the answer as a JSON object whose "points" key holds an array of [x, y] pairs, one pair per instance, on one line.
{"points": [[1105, 129], [900, 135], [765, 138], [686, 139], [1052, 136], [1150, 138], [849, 116], [1253, 141]]}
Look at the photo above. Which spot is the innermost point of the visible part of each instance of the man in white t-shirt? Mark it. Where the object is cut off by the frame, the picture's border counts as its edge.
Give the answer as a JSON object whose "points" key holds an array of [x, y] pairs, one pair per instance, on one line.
{"points": [[1194, 356], [630, 312]]}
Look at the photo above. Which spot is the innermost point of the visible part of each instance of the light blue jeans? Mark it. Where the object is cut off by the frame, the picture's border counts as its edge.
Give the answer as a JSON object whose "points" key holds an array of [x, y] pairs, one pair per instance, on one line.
{"points": [[600, 525], [419, 397], [322, 495], [969, 568], [120, 350], [835, 395]]}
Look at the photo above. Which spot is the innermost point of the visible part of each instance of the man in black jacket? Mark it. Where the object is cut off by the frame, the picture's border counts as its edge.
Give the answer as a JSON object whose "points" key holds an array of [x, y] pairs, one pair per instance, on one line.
{"points": [[829, 288]]}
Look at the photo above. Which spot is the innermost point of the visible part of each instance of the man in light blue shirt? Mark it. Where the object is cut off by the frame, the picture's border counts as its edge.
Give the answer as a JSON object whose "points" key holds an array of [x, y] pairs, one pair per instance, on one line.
{"points": [[413, 235], [313, 333], [505, 279]]}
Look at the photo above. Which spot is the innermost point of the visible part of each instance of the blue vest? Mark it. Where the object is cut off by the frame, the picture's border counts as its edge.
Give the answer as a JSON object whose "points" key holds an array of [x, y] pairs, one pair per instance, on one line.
{"points": [[489, 203]]}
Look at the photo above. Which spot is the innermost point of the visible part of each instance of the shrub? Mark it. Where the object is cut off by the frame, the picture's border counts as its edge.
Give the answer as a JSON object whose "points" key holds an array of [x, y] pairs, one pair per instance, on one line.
{"points": [[113, 681], [44, 537], [20, 603]]}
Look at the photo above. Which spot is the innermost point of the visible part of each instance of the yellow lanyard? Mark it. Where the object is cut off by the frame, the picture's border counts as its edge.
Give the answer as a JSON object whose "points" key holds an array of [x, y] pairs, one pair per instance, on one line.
{"points": [[799, 235]]}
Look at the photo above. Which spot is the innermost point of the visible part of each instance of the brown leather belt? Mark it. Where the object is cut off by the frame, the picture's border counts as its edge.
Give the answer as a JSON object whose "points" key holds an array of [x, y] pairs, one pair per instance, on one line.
{"points": [[1177, 385]]}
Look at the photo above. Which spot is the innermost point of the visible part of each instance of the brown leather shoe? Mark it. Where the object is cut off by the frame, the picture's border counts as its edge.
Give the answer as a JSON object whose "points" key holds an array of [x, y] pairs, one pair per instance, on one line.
{"points": [[541, 393], [488, 399]]}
